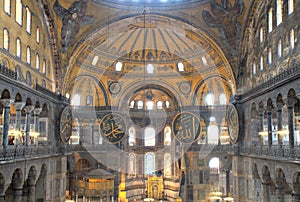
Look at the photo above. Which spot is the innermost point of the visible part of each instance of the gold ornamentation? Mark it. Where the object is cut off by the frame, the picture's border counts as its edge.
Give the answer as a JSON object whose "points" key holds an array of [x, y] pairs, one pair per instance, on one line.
{"points": [[66, 125], [232, 119], [112, 128]]}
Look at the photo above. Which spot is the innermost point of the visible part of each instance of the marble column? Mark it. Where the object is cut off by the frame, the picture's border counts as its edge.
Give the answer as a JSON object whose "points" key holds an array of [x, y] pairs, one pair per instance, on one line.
{"points": [[28, 109], [31, 193], [266, 192], [269, 119], [279, 122], [227, 182], [36, 113], [18, 194], [18, 106], [280, 194], [6, 103], [291, 122]]}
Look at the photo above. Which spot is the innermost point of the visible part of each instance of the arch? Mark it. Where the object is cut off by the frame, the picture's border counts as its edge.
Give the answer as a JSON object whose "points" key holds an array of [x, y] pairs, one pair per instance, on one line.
{"points": [[18, 97], [149, 163], [266, 177], [149, 136], [167, 165], [131, 164], [5, 94], [41, 184], [82, 164]]}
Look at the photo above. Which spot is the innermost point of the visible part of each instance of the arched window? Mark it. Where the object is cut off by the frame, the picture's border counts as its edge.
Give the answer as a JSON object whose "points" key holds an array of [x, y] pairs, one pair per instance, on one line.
{"points": [[6, 39], [149, 163], [140, 104], [118, 66], [89, 100], [76, 100], [167, 135], [159, 105], [261, 63], [95, 60], [214, 165], [149, 136], [132, 136], [213, 131], [149, 105], [210, 99], [204, 61], [131, 106], [167, 103], [292, 39], [37, 61], [131, 165], [290, 6], [261, 34], [28, 20], [167, 165], [44, 66], [222, 99], [19, 13], [253, 69], [278, 12], [18, 47], [38, 32], [28, 55], [270, 20], [150, 68], [279, 48], [180, 67], [7, 6], [270, 55]]}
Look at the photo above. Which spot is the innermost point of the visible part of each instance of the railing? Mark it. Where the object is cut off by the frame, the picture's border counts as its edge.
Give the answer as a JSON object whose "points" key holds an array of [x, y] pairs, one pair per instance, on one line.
{"points": [[51, 94], [8, 72], [21, 152]]}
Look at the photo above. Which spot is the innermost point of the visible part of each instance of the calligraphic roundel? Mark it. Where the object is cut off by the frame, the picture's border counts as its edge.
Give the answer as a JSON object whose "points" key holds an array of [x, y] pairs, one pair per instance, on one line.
{"points": [[112, 128], [232, 119], [66, 125], [186, 127]]}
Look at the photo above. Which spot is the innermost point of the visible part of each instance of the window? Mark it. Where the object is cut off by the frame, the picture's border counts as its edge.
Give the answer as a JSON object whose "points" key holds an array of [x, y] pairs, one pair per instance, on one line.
{"points": [[119, 66], [204, 60], [132, 135], [292, 39], [131, 106], [38, 33], [28, 55], [279, 48], [140, 104], [28, 20], [261, 63], [222, 99], [19, 12], [213, 133], [278, 12], [261, 34], [167, 165], [167, 103], [180, 67], [76, 100], [167, 135], [18, 44], [253, 69], [149, 163], [37, 61], [270, 20], [7, 6], [210, 99], [290, 6], [89, 100], [149, 136], [131, 165], [150, 68], [270, 55], [159, 105], [44, 67], [6, 39], [149, 105], [95, 60]]}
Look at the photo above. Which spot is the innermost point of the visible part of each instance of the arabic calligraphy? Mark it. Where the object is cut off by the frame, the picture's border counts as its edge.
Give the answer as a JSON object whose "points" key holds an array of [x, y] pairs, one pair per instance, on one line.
{"points": [[186, 127], [112, 128], [233, 123]]}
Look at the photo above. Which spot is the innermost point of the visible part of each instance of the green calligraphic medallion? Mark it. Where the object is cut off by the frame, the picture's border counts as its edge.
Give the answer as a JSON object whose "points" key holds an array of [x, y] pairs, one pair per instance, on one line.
{"points": [[66, 125], [186, 127], [112, 128], [232, 119]]}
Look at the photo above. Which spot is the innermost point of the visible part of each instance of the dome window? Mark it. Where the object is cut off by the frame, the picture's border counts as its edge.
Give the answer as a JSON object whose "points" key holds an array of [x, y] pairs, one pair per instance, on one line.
{"points": [[119, 66], [180, 67]]}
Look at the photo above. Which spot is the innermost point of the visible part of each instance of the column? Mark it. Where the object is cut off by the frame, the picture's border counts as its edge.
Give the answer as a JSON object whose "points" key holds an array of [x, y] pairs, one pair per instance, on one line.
{"points": [[2, 197], [93, 136], [18, 106], [279, 194], [291, 121], [266, 192], [6, 103], [36, 123], [28, 109], [279, 122], [18, 194], [269, 119], [227, 182], [31, 190], [261, 124]]}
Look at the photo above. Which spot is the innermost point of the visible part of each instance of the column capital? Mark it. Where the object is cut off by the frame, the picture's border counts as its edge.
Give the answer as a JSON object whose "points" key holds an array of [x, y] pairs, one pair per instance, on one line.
{"points": [[37, 111], [279, 105], [291, 102], [261, 111], [6, 102], [28, 109], [19, 105]]}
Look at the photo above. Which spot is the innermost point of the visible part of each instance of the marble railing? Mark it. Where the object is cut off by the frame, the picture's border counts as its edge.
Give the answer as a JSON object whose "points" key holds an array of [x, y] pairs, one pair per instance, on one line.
{"points": [[8, 72]]}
